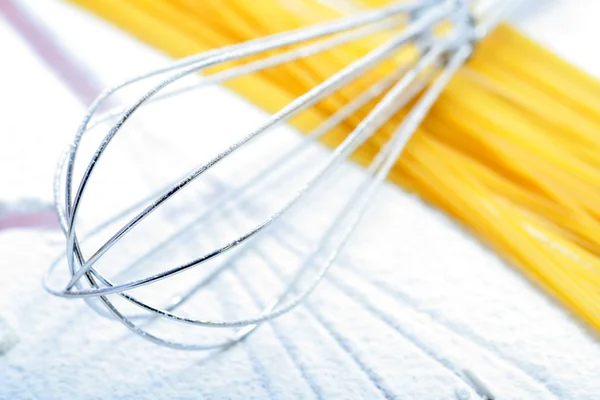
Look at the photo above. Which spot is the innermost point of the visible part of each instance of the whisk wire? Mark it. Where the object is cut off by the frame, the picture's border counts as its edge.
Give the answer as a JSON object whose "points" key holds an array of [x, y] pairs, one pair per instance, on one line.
{"points": [[329, 124], [191, 65], [441, 57], [309, 98]]}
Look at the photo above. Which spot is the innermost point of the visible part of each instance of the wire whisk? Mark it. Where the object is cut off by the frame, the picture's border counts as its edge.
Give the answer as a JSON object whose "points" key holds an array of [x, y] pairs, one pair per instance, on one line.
{"points": [[426, 43]]}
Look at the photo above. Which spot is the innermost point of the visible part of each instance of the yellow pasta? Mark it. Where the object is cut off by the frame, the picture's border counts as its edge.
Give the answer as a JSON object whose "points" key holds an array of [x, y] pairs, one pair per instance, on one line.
{"points": [[511, 149]]}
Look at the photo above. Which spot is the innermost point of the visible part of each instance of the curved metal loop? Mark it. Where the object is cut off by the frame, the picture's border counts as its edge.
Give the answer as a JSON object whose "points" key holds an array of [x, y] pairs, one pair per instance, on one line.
{"points": [[312, 96], [441, 58]]}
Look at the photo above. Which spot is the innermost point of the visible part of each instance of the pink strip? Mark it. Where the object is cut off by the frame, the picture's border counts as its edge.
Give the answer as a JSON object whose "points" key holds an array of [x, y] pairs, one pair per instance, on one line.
{"points": [[35, 219], [68, 70], [48, 50]]}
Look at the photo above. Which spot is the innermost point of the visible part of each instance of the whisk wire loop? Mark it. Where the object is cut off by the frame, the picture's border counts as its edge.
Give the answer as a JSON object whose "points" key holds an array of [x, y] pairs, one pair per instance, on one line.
{"points": [[309, 98], [420, 82]]}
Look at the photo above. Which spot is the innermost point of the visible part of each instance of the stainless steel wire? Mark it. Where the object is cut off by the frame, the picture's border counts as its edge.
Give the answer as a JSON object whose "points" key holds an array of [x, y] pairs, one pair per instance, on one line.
{"points": [[410, 22]]}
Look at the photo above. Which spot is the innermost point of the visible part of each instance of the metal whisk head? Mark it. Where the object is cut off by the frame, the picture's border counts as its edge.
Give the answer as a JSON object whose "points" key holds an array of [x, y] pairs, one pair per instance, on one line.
{"points": [[439, 34]]}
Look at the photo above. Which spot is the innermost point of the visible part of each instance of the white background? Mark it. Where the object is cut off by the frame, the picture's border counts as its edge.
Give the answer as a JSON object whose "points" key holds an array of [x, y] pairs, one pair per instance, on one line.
{"points": [[416, 301]]}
